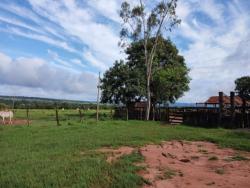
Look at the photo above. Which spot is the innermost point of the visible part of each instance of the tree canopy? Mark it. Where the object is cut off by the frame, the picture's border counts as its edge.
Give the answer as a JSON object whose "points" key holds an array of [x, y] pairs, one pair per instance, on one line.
{"points": [[243, 86], [126, 81]]}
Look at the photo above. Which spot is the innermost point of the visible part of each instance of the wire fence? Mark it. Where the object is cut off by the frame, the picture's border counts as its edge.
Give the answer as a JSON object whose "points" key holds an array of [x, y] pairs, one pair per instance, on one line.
{"points": [[56, 116]]}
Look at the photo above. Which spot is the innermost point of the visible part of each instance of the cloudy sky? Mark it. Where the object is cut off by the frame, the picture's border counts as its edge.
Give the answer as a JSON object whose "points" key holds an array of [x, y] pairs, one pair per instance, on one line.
{"points": [[55, 48]]}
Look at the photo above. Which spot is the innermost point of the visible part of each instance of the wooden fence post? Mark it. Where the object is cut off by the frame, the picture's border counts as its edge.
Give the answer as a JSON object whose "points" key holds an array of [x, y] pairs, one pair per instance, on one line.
{"points": [[244, 112], [232, 107], [57, 117], [153, 108], [220, 108], [111, 113], [167, 114], [127, 113], [80, 114], [27, 114]]}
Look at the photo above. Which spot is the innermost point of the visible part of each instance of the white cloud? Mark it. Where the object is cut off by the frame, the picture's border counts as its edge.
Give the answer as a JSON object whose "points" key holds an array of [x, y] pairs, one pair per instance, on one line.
{"points": [[217, 52], [26, 14], [19, 23], [36, 75], [77, 62], [215, 41], [79, 22], [95, 62], [39, 37], [108, 9], [54, 56]]}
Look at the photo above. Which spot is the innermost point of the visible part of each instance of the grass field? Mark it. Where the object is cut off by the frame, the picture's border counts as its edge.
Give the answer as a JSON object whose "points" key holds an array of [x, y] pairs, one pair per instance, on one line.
{"points": [[46, 155]]}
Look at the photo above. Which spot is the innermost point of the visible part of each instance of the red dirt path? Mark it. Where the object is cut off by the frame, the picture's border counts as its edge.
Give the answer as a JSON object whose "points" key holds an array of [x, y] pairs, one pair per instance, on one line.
{"points": [[15, 122], [180, 164]]}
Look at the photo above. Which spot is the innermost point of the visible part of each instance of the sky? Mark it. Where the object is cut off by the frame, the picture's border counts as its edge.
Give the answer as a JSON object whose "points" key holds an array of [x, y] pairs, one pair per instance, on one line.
{"points": [[55, 48]]}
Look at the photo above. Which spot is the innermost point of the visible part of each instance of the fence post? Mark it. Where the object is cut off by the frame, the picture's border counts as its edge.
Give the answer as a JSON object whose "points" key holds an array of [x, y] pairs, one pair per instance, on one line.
{"points": [[80, 114], [232, 107], [27, 114], [111, 113], [244, 112], [127, 113], [220, 107], [153, 108], [167, 114], [57, 117]]}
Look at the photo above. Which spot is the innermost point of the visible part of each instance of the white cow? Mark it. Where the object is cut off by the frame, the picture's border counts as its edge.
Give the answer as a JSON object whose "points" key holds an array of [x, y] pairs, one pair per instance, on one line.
{"points": [[6, 114]]}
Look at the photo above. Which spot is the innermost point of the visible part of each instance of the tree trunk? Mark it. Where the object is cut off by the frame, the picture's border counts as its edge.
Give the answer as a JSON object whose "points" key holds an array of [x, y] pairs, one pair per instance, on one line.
{"points": [[148, 98]]}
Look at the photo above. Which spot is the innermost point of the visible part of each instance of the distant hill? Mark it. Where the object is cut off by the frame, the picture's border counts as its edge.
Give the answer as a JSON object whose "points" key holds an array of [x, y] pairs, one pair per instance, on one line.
{"points": [[37, 102], [44, 103], [21, 98]]}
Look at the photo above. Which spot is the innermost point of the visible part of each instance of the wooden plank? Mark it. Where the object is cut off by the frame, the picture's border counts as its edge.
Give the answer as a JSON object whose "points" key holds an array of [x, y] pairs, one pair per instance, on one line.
{"points": [[176, 121], [176, 117]]}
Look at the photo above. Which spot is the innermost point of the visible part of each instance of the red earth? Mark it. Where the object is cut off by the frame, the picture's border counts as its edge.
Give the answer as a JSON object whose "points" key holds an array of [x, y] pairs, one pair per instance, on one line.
{"points": [[15, 122], [182, 164]]}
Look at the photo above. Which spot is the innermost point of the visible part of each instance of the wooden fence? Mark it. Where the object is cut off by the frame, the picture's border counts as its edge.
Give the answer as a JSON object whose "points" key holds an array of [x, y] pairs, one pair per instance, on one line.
{"points": [[227, 116], [195, 116]]}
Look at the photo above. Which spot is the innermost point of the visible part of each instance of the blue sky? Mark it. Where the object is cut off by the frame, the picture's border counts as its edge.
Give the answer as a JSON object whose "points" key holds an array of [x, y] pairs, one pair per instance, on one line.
{"points": [[55, 49]]}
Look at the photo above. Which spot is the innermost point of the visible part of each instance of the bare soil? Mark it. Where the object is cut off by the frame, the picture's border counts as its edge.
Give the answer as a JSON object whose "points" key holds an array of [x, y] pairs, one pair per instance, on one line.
{"points": [[15, 122], [181, 164], [114, 154]]}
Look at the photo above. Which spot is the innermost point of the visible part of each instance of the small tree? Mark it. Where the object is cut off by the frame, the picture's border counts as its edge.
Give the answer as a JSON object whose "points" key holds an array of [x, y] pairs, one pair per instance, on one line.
{"points": [[138, 24]]}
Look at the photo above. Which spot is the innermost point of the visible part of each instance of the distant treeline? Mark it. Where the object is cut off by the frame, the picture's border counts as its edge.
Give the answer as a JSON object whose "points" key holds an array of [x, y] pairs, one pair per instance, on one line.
{"points": [[40, 103]]}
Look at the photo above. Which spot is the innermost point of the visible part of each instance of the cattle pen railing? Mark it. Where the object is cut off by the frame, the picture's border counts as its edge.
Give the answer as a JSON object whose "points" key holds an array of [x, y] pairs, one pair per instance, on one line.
{"points": [[222, 114], [195, 116]]}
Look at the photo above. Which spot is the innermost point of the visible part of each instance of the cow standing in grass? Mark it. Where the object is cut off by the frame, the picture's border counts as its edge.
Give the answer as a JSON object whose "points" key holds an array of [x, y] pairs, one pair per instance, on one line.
{"points": [[6, 114]]}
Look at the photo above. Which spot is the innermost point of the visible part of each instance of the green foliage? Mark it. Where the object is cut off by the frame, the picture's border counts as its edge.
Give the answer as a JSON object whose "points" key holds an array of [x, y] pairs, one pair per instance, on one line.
{"points": [[148, 26], [169, 72], [243, 86], [213, 158], [138, 24], [119, 85], [3, 106], [126, 82], [237, 158]]}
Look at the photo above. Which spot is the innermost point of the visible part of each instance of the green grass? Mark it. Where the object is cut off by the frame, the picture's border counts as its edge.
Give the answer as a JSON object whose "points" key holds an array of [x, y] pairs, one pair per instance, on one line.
{"points": [[213, 158], [220, 171], [169, 173], [237, 158], [46, 155]]}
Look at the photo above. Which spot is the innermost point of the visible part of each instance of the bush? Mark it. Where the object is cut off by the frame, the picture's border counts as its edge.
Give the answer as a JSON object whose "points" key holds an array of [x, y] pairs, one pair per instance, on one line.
{"points": [[3, 106]]}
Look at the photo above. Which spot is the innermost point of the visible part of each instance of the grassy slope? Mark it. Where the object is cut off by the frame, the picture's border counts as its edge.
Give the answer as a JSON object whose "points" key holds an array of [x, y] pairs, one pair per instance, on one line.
{"points": [[44, 155]]}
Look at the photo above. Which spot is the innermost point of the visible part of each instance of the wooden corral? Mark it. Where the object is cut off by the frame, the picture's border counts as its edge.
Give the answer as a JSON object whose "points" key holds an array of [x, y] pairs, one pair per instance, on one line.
{"points": [[228, 115]]}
